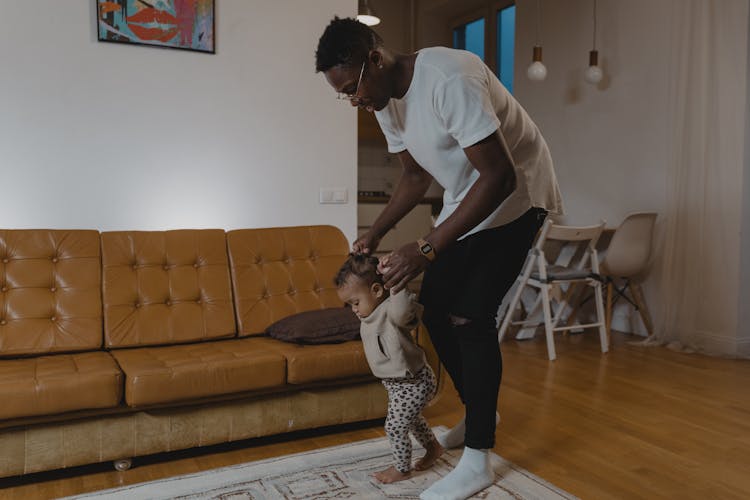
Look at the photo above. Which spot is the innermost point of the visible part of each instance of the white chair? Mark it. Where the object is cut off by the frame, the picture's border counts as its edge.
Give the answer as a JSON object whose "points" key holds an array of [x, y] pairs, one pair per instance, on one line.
{"points": [[538, 273], [626, 258]]}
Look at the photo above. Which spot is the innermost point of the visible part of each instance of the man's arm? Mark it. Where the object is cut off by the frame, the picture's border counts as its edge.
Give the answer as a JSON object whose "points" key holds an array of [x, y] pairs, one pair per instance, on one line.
{"points": [[410, 190], [497, 181]]}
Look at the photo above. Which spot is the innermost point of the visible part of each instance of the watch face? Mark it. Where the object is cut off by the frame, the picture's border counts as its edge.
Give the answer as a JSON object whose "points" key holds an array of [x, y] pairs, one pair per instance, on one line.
{"points": [[426, 248]]}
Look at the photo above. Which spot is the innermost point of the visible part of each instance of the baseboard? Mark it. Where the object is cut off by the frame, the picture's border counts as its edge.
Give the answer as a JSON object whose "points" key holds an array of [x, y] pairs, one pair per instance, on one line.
{"points": [[743, 348], [714, 344]]}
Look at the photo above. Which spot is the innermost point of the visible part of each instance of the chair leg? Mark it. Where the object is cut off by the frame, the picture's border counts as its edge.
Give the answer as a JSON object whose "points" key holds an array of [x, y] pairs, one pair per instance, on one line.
{"points": [[600, 316], [635, 288], [564, 303], [548, 331], [578, 301], [610, 288]]}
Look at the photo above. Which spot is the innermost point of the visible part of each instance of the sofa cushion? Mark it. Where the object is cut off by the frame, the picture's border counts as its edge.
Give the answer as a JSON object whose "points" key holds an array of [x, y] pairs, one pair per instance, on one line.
{"points": [[166, 287], [58, 383], [50, 291], [321, 326], [278, 272], [175, 373], [317, 363]]}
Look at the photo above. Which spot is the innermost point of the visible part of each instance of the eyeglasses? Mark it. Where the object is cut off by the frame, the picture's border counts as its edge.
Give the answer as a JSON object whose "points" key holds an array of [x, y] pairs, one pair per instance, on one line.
{"points": [[353, 97]]}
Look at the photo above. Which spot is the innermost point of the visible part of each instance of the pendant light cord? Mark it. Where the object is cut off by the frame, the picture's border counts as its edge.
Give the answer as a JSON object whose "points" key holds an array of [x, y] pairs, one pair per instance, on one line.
{"points": [[538, 21], [594, 40]]}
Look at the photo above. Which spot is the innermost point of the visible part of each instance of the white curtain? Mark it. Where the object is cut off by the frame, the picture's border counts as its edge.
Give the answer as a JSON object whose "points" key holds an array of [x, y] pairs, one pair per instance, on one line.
{"points": [[699, 262]]}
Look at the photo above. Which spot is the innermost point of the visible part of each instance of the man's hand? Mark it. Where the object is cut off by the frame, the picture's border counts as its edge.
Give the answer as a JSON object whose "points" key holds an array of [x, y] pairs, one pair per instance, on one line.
{"points": [[402, 266], [367, 243]]}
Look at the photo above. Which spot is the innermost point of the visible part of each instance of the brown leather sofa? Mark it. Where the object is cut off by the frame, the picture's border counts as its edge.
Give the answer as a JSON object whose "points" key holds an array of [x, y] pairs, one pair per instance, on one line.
{"points": [[121, 344]]}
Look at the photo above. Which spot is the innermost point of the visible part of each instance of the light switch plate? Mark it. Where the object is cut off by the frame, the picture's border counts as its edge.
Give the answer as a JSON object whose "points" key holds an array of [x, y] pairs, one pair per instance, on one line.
{"points": [[335, 195]]}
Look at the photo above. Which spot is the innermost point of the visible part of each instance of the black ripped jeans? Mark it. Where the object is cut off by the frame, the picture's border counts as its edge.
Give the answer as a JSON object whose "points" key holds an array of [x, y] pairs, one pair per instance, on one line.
{"points": [[468, 281]]}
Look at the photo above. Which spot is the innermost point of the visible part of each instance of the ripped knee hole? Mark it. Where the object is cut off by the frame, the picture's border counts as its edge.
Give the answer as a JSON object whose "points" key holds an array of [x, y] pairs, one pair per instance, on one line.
{"points": [[458, 320]]}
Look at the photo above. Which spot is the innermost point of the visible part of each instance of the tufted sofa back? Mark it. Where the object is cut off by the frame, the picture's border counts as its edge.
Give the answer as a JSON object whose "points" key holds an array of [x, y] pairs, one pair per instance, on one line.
{"points": [[165, 287], [50, 291], [60, 289], [281, 271]]}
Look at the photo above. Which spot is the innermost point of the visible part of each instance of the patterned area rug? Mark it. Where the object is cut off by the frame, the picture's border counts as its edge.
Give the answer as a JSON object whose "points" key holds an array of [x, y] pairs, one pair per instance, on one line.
{"points": [[330, 473]]}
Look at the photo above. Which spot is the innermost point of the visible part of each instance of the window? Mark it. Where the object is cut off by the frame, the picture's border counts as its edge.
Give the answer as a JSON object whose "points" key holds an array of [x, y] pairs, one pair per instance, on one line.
{"points": [[491, 37], [506, 33], [470, 36]]}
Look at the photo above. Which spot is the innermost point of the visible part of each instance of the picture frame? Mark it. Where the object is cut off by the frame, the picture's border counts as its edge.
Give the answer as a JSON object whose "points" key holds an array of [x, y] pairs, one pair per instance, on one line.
{"points": [[176, 24]]}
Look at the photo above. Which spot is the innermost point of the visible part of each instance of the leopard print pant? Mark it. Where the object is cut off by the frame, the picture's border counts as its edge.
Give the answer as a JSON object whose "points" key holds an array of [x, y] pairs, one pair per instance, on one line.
{"points": [[407, 397]]}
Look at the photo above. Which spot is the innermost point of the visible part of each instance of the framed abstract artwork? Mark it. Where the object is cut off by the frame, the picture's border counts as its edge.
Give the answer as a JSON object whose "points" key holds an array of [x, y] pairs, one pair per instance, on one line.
{"points": [[177, 24]]}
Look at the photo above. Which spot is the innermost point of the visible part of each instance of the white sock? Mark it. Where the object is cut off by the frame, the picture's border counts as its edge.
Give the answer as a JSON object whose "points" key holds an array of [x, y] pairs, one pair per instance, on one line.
{"points": [[472, 474], [454, 437]]}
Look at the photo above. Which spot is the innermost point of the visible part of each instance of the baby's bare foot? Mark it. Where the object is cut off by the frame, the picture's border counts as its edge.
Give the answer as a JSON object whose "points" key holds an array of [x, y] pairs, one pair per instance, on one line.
{"points": [[433, 452], [391, 475]]}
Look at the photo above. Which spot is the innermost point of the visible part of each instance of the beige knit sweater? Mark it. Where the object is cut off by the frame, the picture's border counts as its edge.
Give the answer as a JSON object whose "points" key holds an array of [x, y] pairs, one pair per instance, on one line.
{"points": [[389, 347]]}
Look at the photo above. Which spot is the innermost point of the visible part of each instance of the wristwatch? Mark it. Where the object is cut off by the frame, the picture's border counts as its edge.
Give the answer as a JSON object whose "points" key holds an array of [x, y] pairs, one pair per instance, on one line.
{"points": [[425, 247]]}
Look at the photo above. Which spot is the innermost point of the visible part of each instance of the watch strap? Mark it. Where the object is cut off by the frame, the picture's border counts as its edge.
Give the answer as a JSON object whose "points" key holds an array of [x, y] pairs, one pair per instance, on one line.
{"points": [[426, 248]]}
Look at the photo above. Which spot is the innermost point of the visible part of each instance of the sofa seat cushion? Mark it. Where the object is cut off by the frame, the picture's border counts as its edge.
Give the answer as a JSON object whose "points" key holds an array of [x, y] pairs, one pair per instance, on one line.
{"points": [[315, 363], [156, 375], [58, 383]]}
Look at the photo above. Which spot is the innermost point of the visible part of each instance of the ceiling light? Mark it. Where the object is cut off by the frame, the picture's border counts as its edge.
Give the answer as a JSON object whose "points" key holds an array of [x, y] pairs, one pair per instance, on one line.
{"points": [[593, 73], [366, 14], [537, 71]]}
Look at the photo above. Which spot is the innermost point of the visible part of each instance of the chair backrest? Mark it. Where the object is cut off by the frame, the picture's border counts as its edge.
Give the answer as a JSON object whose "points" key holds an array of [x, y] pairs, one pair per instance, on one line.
{"points": [[573, 234], [629, 251]]}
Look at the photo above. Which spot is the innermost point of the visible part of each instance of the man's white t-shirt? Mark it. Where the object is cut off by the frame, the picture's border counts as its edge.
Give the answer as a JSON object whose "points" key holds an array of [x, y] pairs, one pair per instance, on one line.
{"points": [[454, 101]]}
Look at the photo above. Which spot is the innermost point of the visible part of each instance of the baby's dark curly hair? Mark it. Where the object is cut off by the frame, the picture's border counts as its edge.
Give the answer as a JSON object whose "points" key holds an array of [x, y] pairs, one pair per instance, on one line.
{"points": [[364, 267], [345, 41]]}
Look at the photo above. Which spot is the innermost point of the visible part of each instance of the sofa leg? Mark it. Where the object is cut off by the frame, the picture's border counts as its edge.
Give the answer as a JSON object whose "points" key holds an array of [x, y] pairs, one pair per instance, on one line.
{"points": [[123, 464]]}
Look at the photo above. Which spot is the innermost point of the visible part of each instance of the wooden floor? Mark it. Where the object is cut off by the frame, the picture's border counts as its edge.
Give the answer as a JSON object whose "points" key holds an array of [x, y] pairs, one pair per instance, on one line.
{"points": [[639, 422]]}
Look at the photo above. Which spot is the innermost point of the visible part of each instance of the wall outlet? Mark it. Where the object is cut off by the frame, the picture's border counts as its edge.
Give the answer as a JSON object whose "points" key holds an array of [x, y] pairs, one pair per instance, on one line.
{"points": [[334, 195]]}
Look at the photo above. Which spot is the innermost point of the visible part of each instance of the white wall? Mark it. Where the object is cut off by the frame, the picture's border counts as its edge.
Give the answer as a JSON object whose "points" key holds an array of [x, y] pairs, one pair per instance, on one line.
{"points": [[743, 319], [114, 136], [608, 142]]}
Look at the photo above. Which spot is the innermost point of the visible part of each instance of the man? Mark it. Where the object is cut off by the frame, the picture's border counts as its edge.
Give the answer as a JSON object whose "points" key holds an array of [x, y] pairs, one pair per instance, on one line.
{"points": [[449, 118]]}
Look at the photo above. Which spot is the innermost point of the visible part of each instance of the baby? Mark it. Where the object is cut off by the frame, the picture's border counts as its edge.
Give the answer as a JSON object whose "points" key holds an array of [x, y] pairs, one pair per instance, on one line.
{"points": [[394, 357]]}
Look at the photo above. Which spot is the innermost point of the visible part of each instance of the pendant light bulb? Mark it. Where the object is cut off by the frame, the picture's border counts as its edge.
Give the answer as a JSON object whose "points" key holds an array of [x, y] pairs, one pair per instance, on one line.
{"points": [[537, 71], [593, 73], [366, 14]]}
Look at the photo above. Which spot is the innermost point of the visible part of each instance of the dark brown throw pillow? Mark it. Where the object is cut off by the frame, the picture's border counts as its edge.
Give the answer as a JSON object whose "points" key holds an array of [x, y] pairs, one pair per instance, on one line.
{"points": [[321, 326]]}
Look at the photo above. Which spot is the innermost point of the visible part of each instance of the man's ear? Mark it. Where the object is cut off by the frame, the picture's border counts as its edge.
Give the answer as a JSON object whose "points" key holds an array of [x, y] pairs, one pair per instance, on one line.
{"points": [[377, 289], [376, 57]]}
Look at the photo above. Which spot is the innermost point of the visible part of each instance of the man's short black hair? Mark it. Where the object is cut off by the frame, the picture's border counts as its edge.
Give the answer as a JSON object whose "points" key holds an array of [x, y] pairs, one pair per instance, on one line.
{"points": [[345, 41]]}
